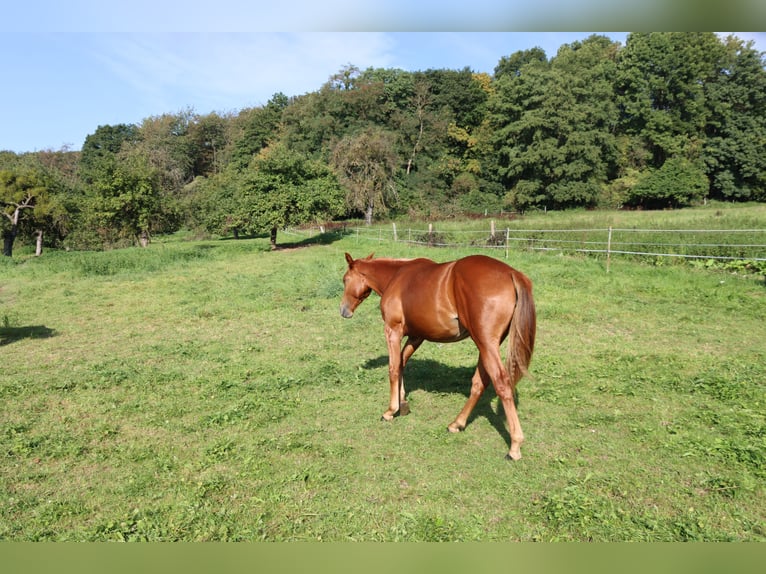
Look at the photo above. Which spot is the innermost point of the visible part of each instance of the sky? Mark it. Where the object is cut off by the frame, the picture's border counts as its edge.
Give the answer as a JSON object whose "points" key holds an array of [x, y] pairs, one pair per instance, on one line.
{"points": [[69, 67]]}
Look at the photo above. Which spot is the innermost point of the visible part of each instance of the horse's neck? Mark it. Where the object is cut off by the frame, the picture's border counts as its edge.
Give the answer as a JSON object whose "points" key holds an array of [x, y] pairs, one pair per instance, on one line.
{"points": [[379, 272]]}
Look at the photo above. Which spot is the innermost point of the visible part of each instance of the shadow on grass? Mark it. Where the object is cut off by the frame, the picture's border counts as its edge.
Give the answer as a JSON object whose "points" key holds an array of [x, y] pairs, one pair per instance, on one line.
{"points": [[319, 239], [434, 377], [325, 238], [10, 335]]}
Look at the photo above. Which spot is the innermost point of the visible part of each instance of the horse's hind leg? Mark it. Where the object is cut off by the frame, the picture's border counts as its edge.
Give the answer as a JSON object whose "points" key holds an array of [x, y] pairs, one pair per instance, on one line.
{"points": [[479, 382], [504, 389]]}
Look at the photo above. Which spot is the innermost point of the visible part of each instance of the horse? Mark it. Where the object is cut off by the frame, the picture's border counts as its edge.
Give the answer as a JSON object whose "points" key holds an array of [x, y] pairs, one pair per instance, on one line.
{"points": [[476, 296]]}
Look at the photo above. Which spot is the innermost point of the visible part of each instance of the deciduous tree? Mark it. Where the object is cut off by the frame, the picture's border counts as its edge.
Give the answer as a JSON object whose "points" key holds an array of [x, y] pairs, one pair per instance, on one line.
{"points": [[661, 90], [283, 187], [365, 164], [126, 200], [20, 193], [735, 133], [553, 126]]}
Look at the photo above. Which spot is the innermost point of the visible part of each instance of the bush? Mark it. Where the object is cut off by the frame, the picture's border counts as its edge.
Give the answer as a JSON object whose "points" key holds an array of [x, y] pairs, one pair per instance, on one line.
{"points": [[678, 183]]}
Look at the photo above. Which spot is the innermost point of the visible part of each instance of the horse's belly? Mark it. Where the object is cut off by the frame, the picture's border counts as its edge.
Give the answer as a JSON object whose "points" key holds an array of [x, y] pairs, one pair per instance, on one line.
{"points": [[449, 337], [434, 328]]}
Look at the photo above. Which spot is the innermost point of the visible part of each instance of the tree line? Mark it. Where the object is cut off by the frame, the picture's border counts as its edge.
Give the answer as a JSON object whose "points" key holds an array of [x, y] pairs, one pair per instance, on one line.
{"points": [[666, 120]]}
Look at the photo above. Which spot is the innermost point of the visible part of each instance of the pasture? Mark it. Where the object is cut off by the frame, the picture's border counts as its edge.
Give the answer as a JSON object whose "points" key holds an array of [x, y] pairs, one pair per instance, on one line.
{"points": [[210, 390]]}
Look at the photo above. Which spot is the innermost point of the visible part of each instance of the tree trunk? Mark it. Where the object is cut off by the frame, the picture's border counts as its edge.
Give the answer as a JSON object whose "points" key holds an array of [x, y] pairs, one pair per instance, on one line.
{"points": [[422, 99], [273, 238], [8, 237], [38, 242], [143, 239], [417, 143], [368, 214]]}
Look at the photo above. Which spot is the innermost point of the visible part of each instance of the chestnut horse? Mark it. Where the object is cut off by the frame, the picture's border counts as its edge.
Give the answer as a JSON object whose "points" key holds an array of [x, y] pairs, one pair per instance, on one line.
{"points": [[477, 296]]}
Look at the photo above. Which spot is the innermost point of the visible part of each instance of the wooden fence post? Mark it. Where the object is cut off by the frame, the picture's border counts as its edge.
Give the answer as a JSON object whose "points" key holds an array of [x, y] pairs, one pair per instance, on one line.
{"points": [[609, 249]]}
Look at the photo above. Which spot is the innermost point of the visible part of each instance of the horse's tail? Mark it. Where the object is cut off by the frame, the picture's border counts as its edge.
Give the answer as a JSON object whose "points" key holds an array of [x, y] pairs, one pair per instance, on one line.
{"points": [[521, 336]]}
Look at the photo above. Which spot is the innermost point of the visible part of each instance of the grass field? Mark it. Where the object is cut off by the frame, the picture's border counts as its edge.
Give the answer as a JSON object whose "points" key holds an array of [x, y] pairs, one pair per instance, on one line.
{"points": [[210, 390]]}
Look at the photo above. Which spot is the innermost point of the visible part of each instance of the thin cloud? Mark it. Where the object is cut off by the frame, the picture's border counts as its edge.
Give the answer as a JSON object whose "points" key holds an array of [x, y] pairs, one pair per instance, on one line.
{"points": [[226, 71]]}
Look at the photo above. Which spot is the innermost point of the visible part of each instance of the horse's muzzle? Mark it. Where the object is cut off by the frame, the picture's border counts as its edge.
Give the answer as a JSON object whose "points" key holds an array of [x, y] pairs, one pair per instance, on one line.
{"points": [[345, 312]]}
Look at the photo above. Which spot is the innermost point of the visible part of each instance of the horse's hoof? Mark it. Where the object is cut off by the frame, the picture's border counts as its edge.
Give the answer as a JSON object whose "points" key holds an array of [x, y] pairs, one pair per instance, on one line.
{"points": [[455, 429], [509, 457], [404, 409]]}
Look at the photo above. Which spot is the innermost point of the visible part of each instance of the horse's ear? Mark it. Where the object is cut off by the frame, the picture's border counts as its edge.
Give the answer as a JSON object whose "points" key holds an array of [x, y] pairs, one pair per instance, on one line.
{"points": [[369, 256], [349, 259]]}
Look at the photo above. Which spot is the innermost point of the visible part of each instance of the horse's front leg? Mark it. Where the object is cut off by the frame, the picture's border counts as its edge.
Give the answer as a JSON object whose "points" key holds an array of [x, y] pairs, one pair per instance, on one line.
{"points": [[410, 346], [395, 378]]}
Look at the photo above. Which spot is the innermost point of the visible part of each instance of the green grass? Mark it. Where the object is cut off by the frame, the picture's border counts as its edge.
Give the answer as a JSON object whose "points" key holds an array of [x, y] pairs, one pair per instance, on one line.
{"points": [[716, 236], [211, 391]]}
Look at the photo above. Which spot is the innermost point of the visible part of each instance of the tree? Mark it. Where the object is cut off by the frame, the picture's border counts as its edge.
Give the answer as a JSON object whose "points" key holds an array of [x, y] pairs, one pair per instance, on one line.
{"points": [[41, 185], [18, 192], [126, 199], [513, 64], [365, 164], [208, 139], [259, 127], [102, 146], [661, 90], [347, 103], [215, 203], [310, 121], [345, 78], [456, 94], [52, 217], [735, 141], [553, 126], [283, 187], [165, 142]]}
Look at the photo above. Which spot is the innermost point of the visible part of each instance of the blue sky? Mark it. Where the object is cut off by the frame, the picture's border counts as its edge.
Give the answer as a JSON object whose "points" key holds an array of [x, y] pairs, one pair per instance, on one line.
{"points": [[69, 67], [62, 86]]}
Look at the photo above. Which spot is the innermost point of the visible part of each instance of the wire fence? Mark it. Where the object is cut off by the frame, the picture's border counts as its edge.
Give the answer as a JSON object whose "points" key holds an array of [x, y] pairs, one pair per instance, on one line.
{"points": [[723, 245]]}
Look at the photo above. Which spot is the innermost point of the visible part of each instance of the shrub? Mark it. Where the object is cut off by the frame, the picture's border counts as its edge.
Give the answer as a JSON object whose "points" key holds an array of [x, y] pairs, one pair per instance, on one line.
{"points": [[678, 183]]}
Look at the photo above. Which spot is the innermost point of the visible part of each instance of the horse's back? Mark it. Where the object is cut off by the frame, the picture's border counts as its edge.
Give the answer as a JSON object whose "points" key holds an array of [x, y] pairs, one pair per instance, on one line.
{"points": [[478, 275], [447, 301]]}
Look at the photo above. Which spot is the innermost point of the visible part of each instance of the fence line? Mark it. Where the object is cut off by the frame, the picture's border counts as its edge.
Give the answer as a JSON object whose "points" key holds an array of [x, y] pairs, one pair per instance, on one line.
{"points": [[505, 238]]}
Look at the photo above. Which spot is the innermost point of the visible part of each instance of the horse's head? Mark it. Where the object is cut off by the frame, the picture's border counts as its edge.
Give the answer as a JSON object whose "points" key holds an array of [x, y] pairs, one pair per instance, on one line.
{"points": [[355, 287]]}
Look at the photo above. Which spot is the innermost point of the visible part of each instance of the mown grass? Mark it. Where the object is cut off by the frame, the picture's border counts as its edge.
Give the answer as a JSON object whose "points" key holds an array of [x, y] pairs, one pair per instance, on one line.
{"points": [[211, 391]]}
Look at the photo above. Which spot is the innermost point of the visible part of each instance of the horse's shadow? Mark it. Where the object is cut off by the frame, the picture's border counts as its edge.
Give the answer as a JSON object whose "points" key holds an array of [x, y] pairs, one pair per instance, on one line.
{"points": [[435, 377]]}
